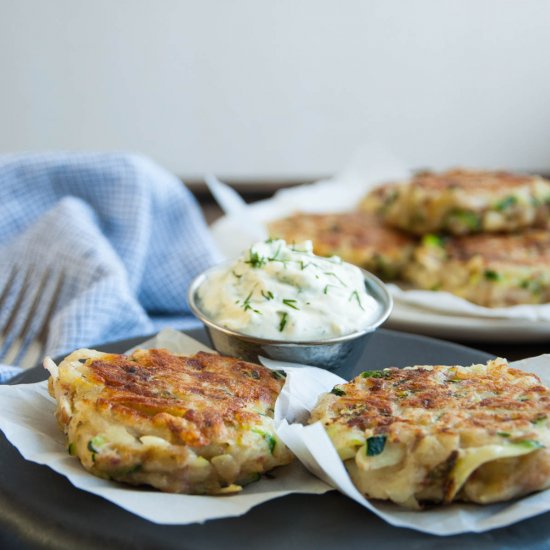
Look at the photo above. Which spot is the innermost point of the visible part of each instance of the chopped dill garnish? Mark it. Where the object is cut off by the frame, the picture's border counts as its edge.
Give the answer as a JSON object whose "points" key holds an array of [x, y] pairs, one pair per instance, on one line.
{"points": [[237, 275], [267, 295], [304, 265], [294, 249], [284, 318], [290, 303], [336, 277], [255, 260], [276, 255], [355, 295], [539, 420], [246, 303]]}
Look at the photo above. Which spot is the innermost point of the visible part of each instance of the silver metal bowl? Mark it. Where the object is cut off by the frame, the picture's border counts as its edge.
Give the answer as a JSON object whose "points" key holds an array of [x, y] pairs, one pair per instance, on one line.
{"points": [[338, 354]]}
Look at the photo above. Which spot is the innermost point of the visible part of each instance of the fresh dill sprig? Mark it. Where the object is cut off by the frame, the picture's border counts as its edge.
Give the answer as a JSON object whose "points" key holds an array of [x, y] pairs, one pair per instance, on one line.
{"points": [[283, 321], [294, 249], [290, 303], [336, 277], [267, 295], [276, 255], [355, 295], [255, 260], [246, 304]]}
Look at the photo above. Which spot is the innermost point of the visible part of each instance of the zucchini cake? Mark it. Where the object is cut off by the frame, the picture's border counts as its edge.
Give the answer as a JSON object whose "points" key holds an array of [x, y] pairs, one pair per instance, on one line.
{"points": [[357, 237], [198, 425], [489, 270], [436, 434], [462, 202]]}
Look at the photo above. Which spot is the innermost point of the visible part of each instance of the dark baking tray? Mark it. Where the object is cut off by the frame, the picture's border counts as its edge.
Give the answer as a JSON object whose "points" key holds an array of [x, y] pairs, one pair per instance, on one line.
{"points": [[41, 509]]}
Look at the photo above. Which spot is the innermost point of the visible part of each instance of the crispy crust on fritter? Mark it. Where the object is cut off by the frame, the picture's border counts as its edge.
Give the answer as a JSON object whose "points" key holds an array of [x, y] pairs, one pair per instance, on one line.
{"points": [[462, 202], [201, 424], [434, 434], [489, 270], [357, 237]]}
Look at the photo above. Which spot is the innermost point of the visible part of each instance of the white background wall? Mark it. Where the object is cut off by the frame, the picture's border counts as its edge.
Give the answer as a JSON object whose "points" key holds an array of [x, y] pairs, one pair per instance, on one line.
{"points": [[279, 88]]}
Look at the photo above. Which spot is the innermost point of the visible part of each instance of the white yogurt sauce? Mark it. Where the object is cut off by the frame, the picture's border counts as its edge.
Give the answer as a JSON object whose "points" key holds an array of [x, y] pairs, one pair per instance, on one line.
{"points": [[285, 292]]}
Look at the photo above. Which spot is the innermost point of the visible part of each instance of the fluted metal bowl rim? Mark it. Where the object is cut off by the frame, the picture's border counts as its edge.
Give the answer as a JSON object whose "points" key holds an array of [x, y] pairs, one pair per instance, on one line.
{"points": [[386, 303]]}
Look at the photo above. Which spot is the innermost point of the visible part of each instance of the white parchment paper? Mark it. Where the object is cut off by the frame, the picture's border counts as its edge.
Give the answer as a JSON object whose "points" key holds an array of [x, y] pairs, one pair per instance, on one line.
{"points": [[370, 166], [27, 419]]}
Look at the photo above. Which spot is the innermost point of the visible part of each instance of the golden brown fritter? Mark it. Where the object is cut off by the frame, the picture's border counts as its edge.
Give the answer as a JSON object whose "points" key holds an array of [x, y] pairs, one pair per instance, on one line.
{"points": [[489, 270], [201, 424], [357, 237], [434, 434], [462, 202]]}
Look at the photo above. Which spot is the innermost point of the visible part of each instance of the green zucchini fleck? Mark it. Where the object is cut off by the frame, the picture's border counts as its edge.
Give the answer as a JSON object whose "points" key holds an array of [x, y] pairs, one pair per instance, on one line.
{"points": [[271, 442], [534, 286], [491, 275], [539, 420], [373, 374], [530, 443], [95, 443], [269, 439], [432, 240], [337, 391], [469, 220], [375, 445], [278, 374], [71, 449], [506, 203]]}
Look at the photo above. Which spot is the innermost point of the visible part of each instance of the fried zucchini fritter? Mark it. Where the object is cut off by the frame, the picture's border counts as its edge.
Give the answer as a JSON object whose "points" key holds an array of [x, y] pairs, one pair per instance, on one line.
{"points": [[199, 425], [461, 202], [489, 270], [357, 237], [436, 434]]}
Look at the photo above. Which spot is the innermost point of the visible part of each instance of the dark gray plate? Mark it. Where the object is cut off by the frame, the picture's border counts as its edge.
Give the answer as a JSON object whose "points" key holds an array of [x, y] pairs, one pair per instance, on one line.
{"points": [[41, 509]]}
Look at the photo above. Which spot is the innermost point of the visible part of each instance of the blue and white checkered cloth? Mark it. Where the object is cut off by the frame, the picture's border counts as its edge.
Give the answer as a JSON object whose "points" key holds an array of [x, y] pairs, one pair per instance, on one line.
{"points": [[127, 236]]}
